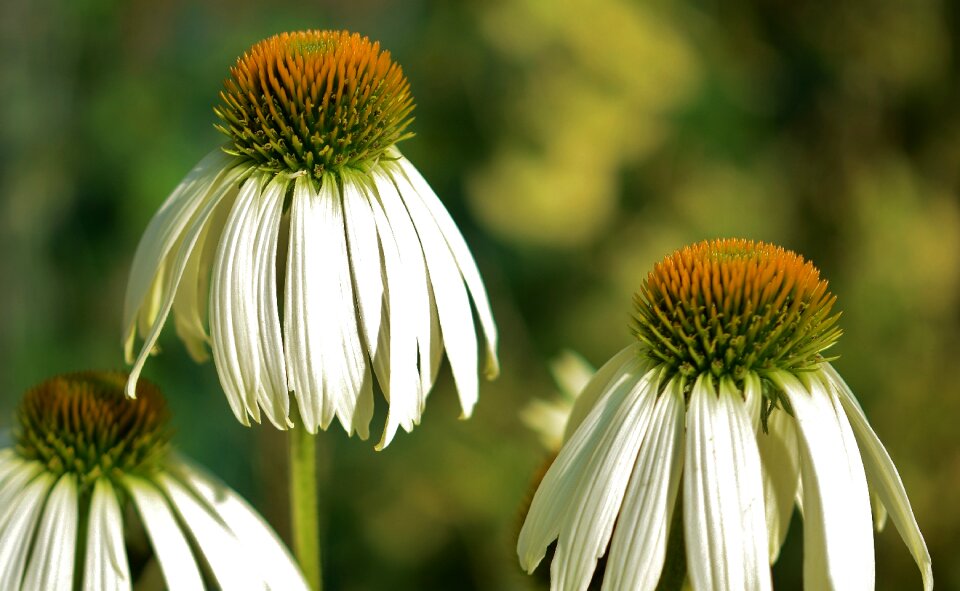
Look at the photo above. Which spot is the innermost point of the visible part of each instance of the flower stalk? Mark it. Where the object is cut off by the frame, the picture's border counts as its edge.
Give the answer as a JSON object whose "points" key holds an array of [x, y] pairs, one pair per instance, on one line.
{"points": [[304, 519]]}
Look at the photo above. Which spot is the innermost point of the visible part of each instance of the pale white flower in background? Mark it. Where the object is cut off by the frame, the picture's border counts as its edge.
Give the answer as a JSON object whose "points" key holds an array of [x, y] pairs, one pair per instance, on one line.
{"points": [[548, 418], [727, 392], [318, 252], [89, 467]]}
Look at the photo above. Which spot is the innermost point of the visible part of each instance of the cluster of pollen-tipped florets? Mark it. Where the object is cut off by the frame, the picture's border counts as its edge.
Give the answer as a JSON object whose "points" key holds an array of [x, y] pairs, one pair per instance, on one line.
{"points": [[82, 423], [726, 307], [314, 101]]}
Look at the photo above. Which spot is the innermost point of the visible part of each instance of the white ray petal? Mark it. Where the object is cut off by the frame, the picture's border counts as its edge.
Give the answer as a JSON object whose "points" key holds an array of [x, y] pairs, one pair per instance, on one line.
{"points": [[556, 498], [106, 567], [468, 267], [597, 385], [396, 354], [231, 565], [19, 473], [163, 231], [227, 185], [273, 393], [639, 543], [55, 550], [453, 303], [838, 528], [302, 331], [233, 313], [190, 301], [723, 507], [18, 522], [412, 258], [367, 271], [169, 544], [585, 535], [781, 476], [883, 476], [268, 554]]}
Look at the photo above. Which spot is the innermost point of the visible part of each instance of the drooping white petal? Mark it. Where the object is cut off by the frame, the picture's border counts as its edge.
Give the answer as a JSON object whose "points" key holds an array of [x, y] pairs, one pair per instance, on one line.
{"points": [[453, 303], [163, 231], [598, 385], [276, 567], [781, 476], [55, 549], [396, 353], [877, 506], [197, 222], [273, 394], [639, 543], [584, 536], [883, 476], [556, 498], [233, 310], [169, 544], [231, 565], [19, 473], [106, 567], [191, 299], [723, 507], [367, 269], [468, 267], [18, 523], [412, 258], [300, 327], [838, 529]]}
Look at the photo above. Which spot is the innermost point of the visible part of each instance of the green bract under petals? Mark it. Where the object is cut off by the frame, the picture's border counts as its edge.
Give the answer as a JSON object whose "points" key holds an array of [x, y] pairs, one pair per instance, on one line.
{"points": [[314, 101], [82, 424]]}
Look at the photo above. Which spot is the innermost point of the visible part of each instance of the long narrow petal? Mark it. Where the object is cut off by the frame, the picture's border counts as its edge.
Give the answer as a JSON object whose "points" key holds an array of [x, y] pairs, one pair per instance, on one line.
{"points": [[301, 329], [169, 544], [558, 498], [163, 231], [233, 312], [106, 567], [598, 385], [453, 303], [18, 523], [231, 565], [779, 457], [396, 355], [275, 565], [468, 267], [196, 226], [639, 543], [584, 537], [883, 477], [412, 258], [191, 300], [723, 507], [273, 393], [838, 529], [54, 552]]}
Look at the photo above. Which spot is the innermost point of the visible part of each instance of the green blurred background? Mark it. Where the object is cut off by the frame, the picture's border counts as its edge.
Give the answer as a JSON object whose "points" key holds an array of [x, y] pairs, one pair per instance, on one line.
{"points": [[575, 143]]}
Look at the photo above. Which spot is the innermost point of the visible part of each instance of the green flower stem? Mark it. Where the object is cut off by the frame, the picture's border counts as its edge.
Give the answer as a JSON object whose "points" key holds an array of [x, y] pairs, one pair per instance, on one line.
{"points": [[303, 504]]}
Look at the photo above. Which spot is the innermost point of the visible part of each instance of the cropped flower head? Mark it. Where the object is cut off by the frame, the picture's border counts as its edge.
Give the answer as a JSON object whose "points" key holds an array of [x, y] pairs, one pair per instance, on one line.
{"points": [[727, 396], [92, 471], [308, 253]]}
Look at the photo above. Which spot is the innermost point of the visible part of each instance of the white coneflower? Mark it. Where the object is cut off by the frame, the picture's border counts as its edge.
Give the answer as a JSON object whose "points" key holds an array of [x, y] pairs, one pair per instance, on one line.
{"points": [[325, 256], [728, 393], [91, 470]]}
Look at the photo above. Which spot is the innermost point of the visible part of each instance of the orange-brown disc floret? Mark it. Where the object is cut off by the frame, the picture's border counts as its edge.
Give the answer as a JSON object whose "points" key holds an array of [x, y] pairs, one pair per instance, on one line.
{"points": [[83, 424], [314, 101], [731, 306]]}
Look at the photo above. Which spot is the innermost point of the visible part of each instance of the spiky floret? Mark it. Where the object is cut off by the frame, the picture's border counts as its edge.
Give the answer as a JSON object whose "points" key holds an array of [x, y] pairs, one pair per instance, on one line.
{"points": [[83, 424], [314, 101], [727, 307]]}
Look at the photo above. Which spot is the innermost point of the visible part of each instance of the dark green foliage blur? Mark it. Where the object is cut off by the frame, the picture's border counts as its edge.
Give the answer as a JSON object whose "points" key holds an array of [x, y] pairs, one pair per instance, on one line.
{"points": [[575, 143]]}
